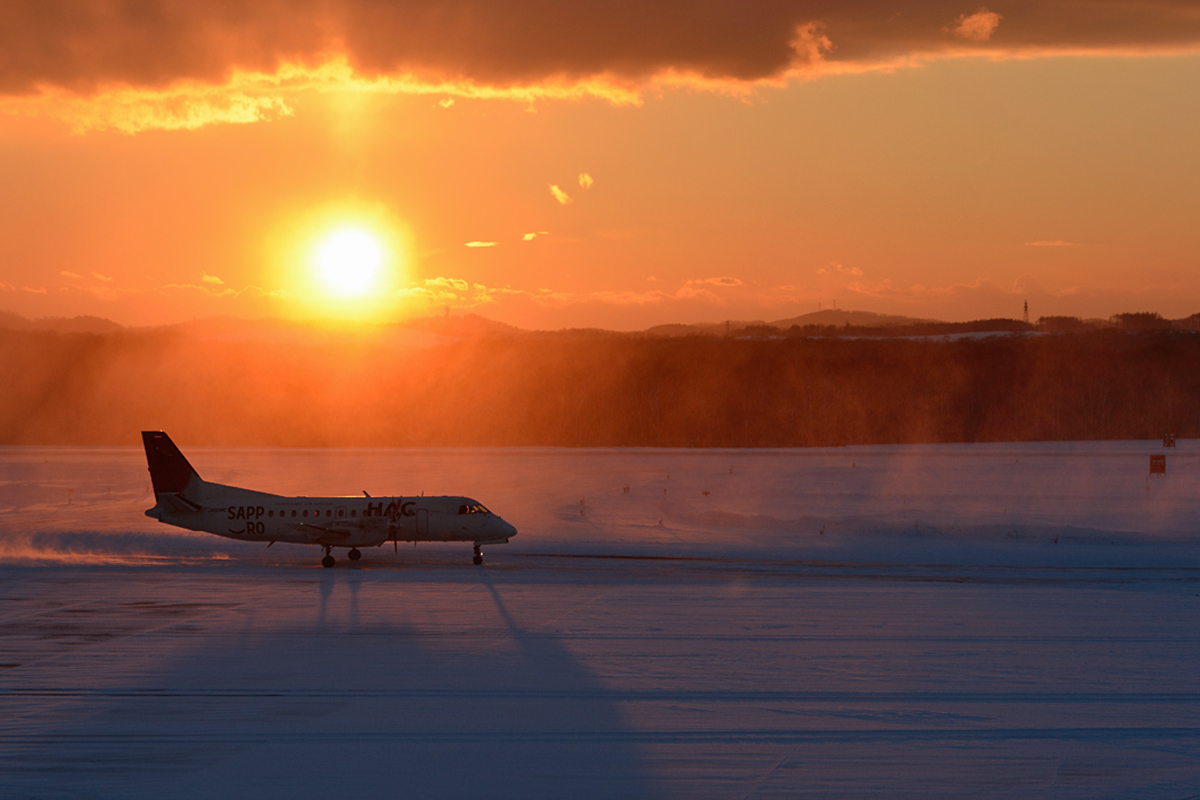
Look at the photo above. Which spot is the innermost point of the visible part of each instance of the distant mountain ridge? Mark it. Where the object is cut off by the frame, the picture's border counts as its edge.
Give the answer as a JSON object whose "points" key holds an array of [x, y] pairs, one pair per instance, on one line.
{"points": [[81, 324], [445, 328], [463, 326], [835, 317], [858, 319]]}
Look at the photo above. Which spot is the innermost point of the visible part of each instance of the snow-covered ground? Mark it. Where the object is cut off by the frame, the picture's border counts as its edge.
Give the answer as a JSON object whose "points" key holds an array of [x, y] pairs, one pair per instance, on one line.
{"points": [[992, 620]]}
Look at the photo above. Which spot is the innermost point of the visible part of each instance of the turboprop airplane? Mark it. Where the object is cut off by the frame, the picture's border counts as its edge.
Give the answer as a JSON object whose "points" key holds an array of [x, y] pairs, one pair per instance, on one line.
{"points": [[187, 501]]}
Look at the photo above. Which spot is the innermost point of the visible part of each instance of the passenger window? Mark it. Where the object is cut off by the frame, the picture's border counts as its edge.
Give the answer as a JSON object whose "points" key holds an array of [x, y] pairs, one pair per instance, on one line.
{"points": [[328, 513], [293, 512], [270, 513], [306, 512], [354, 512]]}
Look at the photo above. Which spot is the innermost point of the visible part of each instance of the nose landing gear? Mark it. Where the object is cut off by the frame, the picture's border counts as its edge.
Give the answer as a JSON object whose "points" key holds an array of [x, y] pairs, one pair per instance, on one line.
{"points": [[328, 560], [478, 559]]}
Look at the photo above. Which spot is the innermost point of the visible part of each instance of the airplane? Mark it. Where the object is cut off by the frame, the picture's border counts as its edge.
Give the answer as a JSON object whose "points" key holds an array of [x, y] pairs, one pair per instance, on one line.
{"points": [[185, 500]]}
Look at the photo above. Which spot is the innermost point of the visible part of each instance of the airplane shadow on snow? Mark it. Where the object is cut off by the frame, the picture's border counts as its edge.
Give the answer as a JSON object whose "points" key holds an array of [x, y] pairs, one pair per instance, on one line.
{"points": [[349, 705]]}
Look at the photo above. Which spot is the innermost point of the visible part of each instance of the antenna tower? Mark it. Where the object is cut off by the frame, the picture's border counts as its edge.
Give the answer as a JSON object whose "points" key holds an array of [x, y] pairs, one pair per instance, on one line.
{"points": [[1026, 317]]}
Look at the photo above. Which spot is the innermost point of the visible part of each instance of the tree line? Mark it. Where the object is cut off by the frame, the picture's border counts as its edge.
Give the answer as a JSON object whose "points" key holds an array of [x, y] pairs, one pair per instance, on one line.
{"points": [[600, 390]]}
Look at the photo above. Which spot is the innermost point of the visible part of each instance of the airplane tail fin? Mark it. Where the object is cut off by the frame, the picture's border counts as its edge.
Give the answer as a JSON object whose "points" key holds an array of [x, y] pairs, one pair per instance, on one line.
{"points": [[169, 470]]}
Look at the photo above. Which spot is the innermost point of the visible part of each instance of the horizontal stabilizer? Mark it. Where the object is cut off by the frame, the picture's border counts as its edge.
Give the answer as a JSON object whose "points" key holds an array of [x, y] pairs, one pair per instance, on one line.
{"points": [[181, 505]]}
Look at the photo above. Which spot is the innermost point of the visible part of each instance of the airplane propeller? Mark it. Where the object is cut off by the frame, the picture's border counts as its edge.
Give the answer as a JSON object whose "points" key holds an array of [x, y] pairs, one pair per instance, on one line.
{"points": [[393, 529]]}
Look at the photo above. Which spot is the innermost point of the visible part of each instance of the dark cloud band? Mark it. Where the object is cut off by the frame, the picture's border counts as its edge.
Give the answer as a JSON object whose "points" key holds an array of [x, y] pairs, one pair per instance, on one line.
{"points": [[80, 45]]}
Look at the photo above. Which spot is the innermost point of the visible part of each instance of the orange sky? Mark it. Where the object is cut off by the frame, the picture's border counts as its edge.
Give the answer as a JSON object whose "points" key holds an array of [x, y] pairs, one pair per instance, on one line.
{"points": [[615, 165]]}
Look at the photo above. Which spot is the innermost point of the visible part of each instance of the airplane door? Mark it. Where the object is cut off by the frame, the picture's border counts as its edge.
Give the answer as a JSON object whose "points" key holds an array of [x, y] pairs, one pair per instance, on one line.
{"points": [[422, 522]]}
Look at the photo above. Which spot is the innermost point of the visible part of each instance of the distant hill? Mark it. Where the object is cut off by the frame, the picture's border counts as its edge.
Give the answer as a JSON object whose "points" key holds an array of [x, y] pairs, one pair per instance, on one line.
{"points": [[696, 329], [855, 319], [443, 329], [83, 324], [378, 386], [230, 327], [276, 331], [828, 318], [465, 326]]}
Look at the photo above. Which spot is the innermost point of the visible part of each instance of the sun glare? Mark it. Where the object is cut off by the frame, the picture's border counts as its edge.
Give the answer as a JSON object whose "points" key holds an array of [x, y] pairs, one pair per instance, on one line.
{"points": [[349, 261], [342, 261]]}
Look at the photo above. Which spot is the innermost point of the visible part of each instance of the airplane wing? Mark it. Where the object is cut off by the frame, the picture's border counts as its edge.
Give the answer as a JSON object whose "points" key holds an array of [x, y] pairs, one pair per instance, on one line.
{"points": [[341, 530]]}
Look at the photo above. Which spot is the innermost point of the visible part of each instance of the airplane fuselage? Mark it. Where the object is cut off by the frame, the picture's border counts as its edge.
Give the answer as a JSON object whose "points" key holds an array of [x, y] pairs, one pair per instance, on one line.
{"points": [[185, 500], [338, 521]]}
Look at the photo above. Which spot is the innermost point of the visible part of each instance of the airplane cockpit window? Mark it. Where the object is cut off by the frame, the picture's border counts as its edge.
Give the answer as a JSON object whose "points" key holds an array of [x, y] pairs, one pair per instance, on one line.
{"points": [[473, 509]]}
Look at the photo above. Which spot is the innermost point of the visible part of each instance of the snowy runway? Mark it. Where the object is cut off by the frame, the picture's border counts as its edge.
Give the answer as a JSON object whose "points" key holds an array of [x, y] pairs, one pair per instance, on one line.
{"points": [[918, 621]]}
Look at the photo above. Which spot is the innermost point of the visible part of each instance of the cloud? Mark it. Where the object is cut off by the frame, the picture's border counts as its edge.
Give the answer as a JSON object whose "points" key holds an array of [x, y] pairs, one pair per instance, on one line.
{"points": [[461, 293], [585, 181], [206, 289], [35, 289], [548, 298], [456, 284], [482, 244], [443, 291], [7, 287], [840, 268], [154, 43], [529, 237], [70, 275], [172, 64], [562, 197], [188, 105], [628, 298], [105, 278], [213, 279], [1053, 243], [917, 291], [690, 290], [446, 103], [978, 27]]}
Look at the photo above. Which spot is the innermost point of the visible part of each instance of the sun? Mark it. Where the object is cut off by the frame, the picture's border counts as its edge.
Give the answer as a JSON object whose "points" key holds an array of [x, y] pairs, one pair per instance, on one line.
{"points": [[348, 261], [344, 261]]}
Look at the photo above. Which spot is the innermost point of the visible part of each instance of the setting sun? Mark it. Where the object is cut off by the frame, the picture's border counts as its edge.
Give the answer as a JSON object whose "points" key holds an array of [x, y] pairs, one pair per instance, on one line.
{"points": [[348, 261], [344, 259]]}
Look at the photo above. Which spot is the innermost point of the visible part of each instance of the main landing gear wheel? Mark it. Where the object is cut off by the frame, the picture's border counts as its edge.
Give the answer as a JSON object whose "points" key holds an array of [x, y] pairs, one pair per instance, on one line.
{"points": [[327, 561], [354, 554], [478, 559]]}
